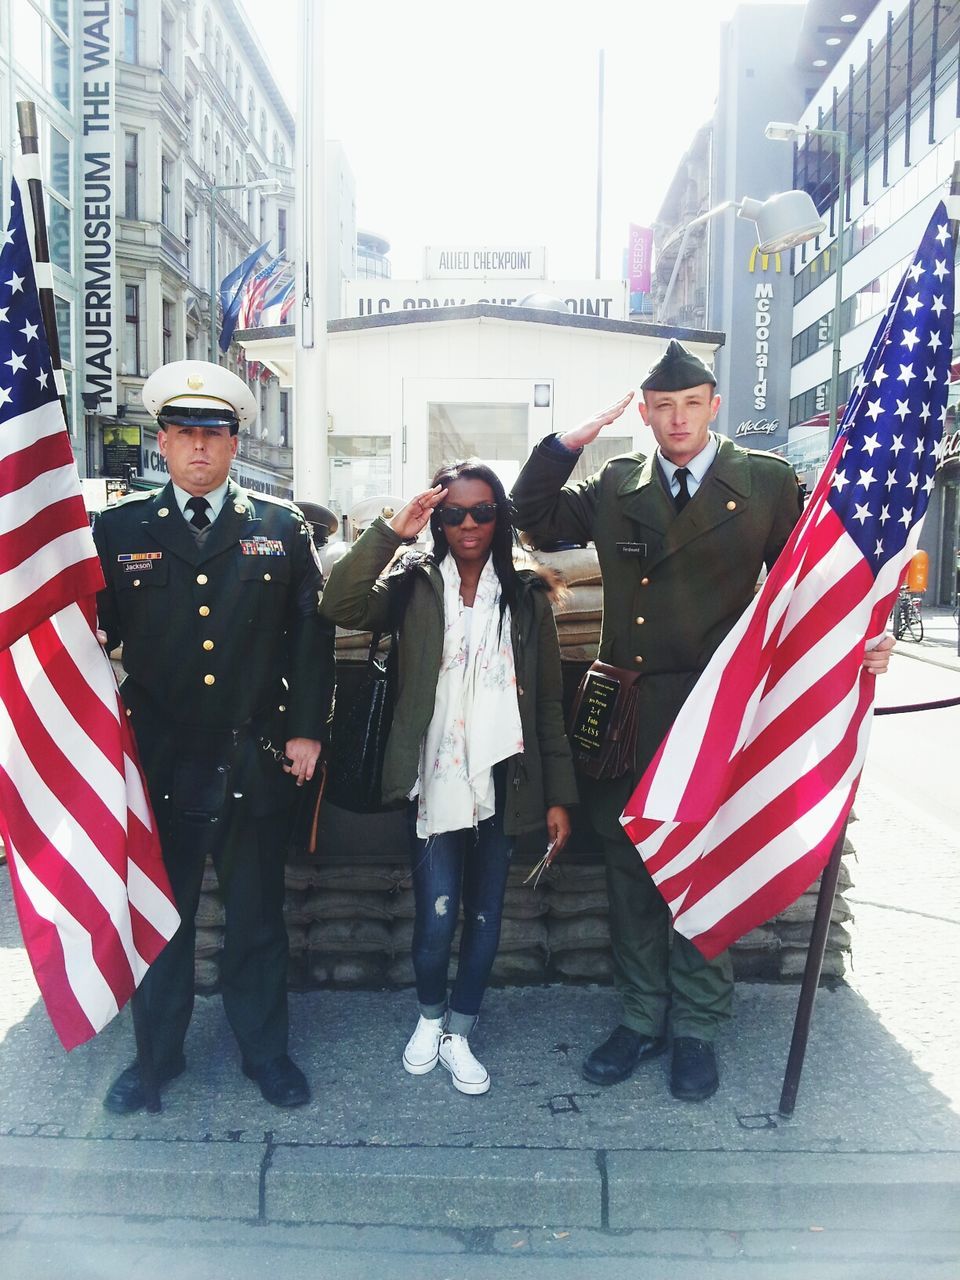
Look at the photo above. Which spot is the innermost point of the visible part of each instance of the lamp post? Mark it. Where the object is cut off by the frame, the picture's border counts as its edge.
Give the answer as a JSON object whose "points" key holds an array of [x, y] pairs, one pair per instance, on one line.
{"points": [[777, 131], [783, 221], [213, 189]]}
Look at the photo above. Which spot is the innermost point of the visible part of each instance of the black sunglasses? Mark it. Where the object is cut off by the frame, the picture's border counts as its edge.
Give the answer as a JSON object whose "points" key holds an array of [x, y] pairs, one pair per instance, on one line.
{"points": [[482, 513]]}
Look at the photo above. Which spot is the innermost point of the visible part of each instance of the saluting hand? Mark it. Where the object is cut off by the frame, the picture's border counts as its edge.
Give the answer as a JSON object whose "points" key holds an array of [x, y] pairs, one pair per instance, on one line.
{"points": [[409, 520], [588, 431]]}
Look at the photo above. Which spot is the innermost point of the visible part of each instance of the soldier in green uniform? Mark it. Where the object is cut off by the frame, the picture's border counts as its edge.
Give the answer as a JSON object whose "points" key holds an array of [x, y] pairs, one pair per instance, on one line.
{"points": [[681, 538], [213, 592]]}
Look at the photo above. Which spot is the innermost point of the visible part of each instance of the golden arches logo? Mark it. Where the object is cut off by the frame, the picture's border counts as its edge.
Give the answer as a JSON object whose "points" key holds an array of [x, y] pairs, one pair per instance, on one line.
{"points": [[764, 260]]}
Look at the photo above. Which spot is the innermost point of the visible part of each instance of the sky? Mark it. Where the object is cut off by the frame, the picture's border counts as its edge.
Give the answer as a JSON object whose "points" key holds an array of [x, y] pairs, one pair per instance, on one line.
{"points": [[476, 122]]}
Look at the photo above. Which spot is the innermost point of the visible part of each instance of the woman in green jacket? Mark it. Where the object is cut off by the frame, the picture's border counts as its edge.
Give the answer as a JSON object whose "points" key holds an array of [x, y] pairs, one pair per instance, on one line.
{"points": [[477, 747]]}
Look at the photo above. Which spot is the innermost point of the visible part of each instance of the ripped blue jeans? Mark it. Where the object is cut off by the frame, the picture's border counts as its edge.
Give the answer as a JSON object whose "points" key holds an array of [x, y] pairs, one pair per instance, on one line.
{"points": [[474, 864]]}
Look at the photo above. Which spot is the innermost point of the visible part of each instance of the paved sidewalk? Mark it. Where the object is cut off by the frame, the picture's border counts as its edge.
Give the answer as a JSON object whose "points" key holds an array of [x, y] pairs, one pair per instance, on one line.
{"points": [[939, 643], [874, 1145]]}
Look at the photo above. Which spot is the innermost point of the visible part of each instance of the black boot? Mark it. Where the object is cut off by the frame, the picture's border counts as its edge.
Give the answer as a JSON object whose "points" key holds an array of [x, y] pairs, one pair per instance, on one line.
{"points": [[616, 1058], [693, 1072], [125, 1095]]}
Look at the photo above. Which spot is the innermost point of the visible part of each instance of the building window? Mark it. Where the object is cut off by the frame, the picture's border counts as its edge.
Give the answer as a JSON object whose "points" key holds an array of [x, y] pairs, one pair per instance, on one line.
{"points": [[131, 30], [130, 363], [281, 230], [285, 419], [167, 320], [131, 175], [58, 226], [59, 163], [188, 236], [251, 112], [263, 130], [64, 329], [58, 78], [166, 43], [166, 177]]}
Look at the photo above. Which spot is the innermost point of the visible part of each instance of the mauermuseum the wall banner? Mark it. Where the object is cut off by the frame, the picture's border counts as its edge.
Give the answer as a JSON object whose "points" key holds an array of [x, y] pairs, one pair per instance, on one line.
{"points": [[606, 299], [98, 202]]}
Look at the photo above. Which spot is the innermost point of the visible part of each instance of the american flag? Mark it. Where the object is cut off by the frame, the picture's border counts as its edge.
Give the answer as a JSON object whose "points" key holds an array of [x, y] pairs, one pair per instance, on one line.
{"points": [[255, 290], [738, 812], [89, 884]]}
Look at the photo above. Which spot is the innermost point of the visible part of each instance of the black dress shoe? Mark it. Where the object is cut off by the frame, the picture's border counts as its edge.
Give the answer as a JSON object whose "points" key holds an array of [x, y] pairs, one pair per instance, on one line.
{"points": [[125, 1095], [614, 1060], [281, 1082], [693, 1072]]}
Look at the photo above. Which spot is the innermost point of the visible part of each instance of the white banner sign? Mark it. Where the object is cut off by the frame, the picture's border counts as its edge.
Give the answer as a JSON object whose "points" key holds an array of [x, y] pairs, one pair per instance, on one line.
{"points": [[465, 260], [98, 195], [606, 299]]}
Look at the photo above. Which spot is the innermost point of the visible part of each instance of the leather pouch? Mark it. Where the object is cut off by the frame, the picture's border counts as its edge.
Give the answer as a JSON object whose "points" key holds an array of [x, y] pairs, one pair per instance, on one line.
{"points": [[604, 720]]}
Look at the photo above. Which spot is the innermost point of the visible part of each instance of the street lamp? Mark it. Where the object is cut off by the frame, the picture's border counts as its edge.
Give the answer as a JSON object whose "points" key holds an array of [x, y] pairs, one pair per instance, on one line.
{"points": [[777, 131], [785, 220], [213, 189]]}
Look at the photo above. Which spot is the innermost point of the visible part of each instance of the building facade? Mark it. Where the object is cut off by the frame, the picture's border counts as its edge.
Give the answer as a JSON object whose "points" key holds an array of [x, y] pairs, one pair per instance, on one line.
{"points": [[894, 93], [167, 151]]}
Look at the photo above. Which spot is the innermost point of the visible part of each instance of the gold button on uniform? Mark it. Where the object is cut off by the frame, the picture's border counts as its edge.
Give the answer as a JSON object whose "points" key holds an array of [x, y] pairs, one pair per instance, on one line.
{"points": [[204, 611], [208, 679], [281, 707], [164, 511], [136, 582], [239, 508], [202, 579], [129, 712], [266, 577], [208, 644], [731, 506], [644, 582], [638, 659], [640, 621]]}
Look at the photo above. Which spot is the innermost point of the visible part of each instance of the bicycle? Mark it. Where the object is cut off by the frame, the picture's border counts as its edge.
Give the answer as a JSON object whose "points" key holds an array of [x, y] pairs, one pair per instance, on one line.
{"points": [[907, 618]]}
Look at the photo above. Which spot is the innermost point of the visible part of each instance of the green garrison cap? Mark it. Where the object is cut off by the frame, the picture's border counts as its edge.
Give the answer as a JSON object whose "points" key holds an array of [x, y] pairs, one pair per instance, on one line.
{"points": [[676, 370]]}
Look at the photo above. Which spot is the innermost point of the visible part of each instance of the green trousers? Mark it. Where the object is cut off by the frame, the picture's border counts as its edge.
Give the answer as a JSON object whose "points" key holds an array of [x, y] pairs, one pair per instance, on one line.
{"points": [[661, 977]]}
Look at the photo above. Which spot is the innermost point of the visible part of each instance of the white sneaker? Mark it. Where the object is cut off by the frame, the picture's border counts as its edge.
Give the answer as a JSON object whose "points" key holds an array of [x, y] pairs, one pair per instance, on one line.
{"points": [[420, 1055], [469, 1076]]}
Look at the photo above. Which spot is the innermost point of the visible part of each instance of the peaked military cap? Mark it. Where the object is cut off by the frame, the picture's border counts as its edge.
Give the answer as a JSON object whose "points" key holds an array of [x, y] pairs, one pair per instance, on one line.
{"points": [[677, 370], [197, 393], [319, 516]]}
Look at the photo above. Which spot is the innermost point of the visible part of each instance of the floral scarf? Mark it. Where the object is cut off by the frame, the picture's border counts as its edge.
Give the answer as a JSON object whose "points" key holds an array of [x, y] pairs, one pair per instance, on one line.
{"points": [[476, 717]]}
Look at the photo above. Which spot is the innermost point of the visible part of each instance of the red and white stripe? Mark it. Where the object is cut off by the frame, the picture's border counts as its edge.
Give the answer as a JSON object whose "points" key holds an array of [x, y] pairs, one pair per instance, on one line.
{"points": [[739, 810], [47, 556], [90, 887]]}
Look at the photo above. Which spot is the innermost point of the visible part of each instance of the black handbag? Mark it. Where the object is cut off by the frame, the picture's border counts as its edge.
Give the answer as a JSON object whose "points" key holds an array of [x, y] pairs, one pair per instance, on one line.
{"points": [[358, 737]]}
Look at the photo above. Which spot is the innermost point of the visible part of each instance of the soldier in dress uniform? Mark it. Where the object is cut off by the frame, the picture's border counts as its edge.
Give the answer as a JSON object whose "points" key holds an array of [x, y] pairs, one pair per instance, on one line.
{"points": [[213, 592]]}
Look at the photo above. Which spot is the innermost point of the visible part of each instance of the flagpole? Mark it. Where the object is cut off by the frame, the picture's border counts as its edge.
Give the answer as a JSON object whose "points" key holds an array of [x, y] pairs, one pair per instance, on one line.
{"points": [[310, 479], [30, 161], [811, 976], [831, 872]]}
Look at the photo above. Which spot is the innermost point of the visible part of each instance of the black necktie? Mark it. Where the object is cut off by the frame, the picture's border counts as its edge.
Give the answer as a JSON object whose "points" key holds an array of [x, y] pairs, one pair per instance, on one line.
{"points": [[681, 499], [200, 508]]}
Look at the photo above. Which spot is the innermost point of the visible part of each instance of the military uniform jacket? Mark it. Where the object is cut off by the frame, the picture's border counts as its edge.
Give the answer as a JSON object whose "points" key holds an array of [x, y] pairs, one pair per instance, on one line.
{"points": [[673, 584], [216, 637]]}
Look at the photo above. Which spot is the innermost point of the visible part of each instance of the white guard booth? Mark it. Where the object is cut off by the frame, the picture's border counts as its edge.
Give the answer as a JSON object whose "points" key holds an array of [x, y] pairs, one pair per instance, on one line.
{"points": [[409, 390]]}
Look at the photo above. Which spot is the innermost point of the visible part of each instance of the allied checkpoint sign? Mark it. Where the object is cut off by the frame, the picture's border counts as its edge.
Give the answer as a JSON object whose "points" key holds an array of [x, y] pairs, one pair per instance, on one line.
{"points": [[485, 261], [98, 202]]}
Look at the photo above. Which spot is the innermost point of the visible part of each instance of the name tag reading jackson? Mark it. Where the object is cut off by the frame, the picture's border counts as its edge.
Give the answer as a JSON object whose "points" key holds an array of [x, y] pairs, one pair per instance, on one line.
{"points": [[593, 714]]}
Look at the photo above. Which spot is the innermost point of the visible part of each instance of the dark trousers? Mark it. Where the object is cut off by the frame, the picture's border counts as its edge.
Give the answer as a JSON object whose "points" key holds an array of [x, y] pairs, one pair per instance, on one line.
{"points": [[248, 853], [473, 864], [660, 976]]}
